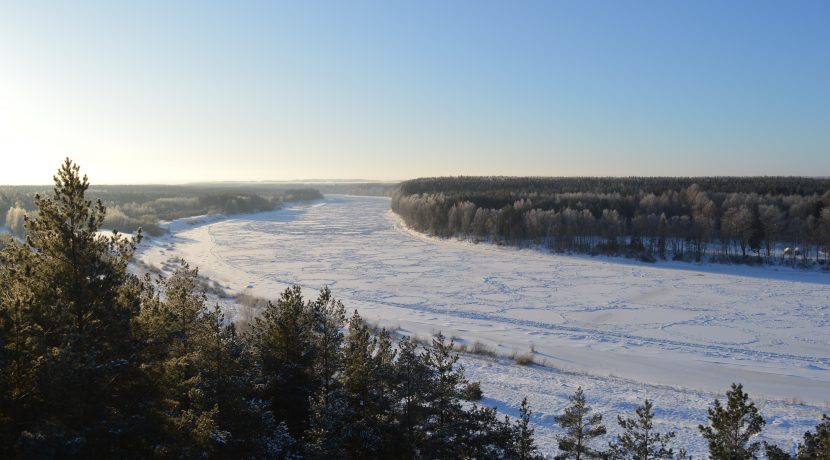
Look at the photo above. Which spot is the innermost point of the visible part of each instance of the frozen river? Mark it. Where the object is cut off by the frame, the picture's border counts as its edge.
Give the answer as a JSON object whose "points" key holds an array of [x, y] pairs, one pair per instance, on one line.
{"points": [[682, 328]]}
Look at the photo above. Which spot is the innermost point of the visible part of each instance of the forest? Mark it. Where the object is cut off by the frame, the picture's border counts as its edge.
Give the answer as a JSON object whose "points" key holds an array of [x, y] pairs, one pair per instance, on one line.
{"points": [[98, 362], [734, 219], [132, 206]]}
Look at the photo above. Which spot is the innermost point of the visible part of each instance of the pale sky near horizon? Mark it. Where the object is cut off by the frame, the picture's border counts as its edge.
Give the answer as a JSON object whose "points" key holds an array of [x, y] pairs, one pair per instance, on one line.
{"points": [[171, 92]]}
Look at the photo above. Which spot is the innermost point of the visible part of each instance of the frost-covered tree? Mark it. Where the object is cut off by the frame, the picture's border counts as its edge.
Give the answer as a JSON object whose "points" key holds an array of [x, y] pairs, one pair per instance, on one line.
{"points": [[772, 221], [16, 220], [597, 214], [737, 223]]}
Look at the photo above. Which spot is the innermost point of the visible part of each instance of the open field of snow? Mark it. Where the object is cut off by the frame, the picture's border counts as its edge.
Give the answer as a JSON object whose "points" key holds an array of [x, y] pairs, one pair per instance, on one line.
{"points": [[674, 332]]}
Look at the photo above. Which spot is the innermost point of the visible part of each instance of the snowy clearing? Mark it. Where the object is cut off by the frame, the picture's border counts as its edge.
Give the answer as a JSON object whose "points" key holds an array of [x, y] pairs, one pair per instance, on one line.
{"points": [[674, 332]]}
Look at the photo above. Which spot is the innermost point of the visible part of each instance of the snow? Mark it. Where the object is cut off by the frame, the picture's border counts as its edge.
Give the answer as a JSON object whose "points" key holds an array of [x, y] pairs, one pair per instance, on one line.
{"points": [[106, 233], [676, 333]]}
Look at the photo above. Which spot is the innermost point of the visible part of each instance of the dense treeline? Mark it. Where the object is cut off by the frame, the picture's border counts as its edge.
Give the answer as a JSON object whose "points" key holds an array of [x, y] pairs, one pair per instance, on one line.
{"points": [[681, 218], [132, 206], [96, 362]]}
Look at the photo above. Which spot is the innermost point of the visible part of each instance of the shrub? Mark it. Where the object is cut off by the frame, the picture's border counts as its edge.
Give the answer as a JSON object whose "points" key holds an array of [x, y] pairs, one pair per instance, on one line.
{"points": [[472, 392], [524, 359], [479, 348]]}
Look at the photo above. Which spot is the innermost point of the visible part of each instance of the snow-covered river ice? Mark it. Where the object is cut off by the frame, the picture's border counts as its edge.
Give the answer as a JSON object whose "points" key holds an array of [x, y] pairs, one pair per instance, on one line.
{"points": [[676, 333]]}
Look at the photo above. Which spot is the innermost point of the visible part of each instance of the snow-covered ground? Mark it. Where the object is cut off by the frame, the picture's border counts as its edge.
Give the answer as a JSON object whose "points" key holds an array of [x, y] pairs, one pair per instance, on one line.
{"points": [[676, 333]]}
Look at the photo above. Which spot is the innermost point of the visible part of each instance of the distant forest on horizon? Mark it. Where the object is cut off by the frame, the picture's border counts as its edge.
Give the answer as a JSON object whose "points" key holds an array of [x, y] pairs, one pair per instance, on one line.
{"points": [[746, 219]]}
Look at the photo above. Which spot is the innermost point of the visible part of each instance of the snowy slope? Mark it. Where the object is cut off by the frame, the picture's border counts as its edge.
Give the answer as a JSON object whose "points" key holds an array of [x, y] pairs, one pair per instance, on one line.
{"points": [[677, 333]]}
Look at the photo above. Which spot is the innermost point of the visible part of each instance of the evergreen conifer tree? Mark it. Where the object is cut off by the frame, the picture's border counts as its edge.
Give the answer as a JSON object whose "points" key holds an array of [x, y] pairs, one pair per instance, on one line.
{"points": [[448, 378], [446, 414], [639, 441], [177, 330], [384, 375], [524, 444], [413, 383], [283, 343], [481, 435], [204, 399], [65, 314], [325, 435], [581, 428], [245, 425], [732, 427], [776, 453], [816, 445], [363, 438], [328, 317]]}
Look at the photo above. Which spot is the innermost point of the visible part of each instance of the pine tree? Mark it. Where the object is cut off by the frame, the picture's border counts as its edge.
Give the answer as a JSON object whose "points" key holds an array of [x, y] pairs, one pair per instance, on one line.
{"points": [[363, 438], [328, 317], [581, 428], [355, 419], [448, 378], [175, 326], [5, 240], [446, 415], [524, 444], [480, 434], [776, 453], [384, 375], [21, 348], [731, 428], [325, 436], [66, 311], [816, 445], [283, 343], [245, 426], [327, 433], [413, 383], [204, 397], [639, 441]]}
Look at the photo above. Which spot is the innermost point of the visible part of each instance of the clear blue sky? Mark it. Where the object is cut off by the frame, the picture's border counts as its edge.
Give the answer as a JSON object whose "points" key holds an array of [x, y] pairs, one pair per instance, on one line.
{"points": [[185, 91]]}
